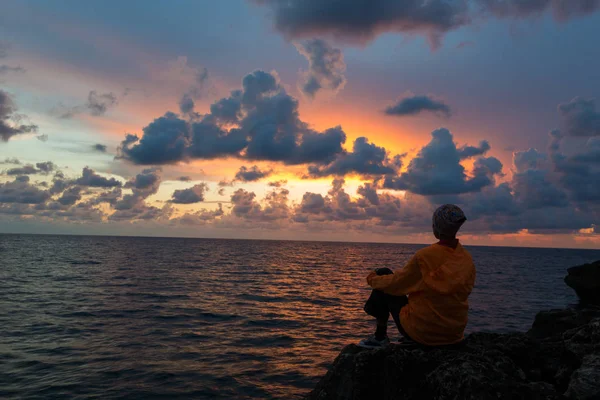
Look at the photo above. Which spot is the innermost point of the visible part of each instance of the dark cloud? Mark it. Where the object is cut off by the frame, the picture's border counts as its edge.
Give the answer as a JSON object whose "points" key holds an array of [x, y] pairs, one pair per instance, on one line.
{"points": [[5, 69], [251, 174], [195, 194], [529, 159], [70, 196], [97, 104], [200, 217], [20, 191], [42, 168], [184, 179], [415, 104], [22, 178], [24, 170], [326, 67], [46, 167], [10, 121], [277, 184], [369, 209], [42, 138], [247, 207], [90, 178], [561, 9], [580, 117], [11, 161], [472, 151], [436, 170], [164, 141], [365, 159], [187, 104], [99, 147], [143, 185], [267, 128], [362, 20], [465, 44], [111, 197]]}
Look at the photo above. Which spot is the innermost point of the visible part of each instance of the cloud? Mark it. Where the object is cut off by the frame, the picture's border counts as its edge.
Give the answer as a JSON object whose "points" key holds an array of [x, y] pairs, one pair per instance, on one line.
{"points": [[5, 69], [184, 179], [580, 117], [465, 152], [247, 207], [326, 68], [561, 9], [360, 21], [436, 170], [46, 167], [70, 196], [187, 104], [110, 197], [267, 128], [415, 104], [145, 183], [42, 168], [99, 147], [251, 174], [24, 170], [188, 81], [97, 104], [195, 194], [12, 160], [10, 121], [277, 184], [464, 44], [90, 178], [365, 159], [20, 191]]}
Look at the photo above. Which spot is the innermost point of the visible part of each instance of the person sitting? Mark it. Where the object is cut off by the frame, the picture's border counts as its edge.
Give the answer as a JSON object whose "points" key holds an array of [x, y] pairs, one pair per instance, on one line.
{"points": [[428, 298]]}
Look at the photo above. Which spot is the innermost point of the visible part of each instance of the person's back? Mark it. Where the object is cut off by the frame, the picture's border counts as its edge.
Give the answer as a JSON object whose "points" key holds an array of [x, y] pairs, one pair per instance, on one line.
{"points": [[437, 311], [428, 297]]}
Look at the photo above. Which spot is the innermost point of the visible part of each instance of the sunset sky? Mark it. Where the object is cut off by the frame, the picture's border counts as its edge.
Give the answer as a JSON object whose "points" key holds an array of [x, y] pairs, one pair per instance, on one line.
{"points": [[302, 119]]}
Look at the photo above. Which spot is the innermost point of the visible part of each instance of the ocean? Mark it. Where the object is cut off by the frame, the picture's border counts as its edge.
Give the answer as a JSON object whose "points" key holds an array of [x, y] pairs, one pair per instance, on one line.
{"points": [[85, 317]]}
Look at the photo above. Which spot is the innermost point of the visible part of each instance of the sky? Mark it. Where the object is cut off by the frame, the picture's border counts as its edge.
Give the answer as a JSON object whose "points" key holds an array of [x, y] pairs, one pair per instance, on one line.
{"points": [[302, 119]]}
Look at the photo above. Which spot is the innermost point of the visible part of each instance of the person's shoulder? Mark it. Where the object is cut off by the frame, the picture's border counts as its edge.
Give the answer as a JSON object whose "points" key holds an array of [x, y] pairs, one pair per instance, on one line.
{"points": [[425, 251], [466, 252]]}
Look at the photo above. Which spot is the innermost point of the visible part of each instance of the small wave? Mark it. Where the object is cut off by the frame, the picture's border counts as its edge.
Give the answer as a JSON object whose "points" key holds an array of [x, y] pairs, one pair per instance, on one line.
{"points": [[265, 299], [267, 341], [274, 323], [85, 262]]}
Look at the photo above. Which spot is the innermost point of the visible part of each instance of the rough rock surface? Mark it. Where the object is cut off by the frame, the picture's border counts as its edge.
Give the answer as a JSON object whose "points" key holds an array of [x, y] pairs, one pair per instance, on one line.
{"points": [[559, 358], [585, 280]]}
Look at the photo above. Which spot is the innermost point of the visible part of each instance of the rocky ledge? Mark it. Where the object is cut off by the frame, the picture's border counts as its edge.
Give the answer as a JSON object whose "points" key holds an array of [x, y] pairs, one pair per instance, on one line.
{"points": [[559, 358], [585, 280]]}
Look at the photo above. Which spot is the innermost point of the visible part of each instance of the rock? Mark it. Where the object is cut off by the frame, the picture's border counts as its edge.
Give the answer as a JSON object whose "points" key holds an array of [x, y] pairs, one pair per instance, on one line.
{"points": [[584, 382], [585, 280], [558, 358], [554, 322]]}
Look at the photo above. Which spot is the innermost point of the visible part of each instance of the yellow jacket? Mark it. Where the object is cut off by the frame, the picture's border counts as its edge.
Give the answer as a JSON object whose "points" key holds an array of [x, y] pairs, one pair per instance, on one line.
{"points": [[438, 280]]}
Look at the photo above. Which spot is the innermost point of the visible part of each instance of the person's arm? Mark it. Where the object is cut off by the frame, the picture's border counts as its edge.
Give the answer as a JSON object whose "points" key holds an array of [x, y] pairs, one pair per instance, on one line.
{"points": [[403, 281]]}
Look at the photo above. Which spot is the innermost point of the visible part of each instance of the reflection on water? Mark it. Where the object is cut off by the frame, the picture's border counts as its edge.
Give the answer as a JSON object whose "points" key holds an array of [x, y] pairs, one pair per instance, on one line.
{"points": [[167, 318]]}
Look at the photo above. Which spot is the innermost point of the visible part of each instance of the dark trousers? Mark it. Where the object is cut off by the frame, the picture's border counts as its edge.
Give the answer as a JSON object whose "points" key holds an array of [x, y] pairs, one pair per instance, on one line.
{"points": [[380, 305]]}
